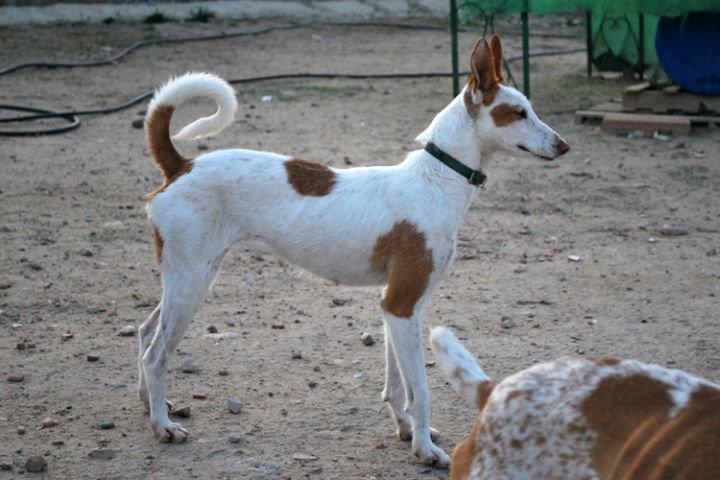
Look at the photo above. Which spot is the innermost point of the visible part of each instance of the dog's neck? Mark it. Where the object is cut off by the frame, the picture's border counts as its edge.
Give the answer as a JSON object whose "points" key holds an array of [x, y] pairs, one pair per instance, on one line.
{"points": [[454, 132]]}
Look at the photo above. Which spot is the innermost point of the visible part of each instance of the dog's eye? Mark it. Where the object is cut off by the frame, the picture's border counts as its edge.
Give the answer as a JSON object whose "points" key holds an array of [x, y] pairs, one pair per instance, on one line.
{"points": [[522, 114]]}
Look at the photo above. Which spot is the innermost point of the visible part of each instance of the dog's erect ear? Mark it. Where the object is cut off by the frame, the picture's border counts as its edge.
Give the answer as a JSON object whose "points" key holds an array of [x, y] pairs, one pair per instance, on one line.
{"points": [[482, 73], [496, 49]]}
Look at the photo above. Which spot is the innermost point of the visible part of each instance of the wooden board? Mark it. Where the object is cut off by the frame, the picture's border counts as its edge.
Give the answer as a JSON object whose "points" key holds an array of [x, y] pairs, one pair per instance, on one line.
{"points": [[669, 100], [645, 122], [596, 114]]}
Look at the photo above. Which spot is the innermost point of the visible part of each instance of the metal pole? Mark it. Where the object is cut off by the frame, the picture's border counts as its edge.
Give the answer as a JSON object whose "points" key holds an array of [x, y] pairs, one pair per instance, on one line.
{"points": [[454, 47], [641, 45], [589, 41], [526, 49]]}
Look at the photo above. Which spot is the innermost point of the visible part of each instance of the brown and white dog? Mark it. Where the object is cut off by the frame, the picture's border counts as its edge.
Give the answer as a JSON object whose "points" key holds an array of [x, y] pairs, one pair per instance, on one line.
{"points": [[395, 226], [584, 419]]}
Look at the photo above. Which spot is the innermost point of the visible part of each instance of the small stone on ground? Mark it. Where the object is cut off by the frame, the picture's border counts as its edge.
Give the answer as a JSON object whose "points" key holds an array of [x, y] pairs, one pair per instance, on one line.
{"points": [[36, 464], [234, 406]]}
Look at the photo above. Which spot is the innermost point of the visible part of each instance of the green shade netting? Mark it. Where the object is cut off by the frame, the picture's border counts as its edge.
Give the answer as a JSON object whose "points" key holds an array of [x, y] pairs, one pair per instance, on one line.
{"points": [[668, 8]]}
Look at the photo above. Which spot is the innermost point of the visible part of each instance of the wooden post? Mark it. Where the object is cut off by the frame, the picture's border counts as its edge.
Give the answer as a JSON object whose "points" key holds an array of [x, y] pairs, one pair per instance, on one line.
{"points": [[454, 47], [526, 48]]}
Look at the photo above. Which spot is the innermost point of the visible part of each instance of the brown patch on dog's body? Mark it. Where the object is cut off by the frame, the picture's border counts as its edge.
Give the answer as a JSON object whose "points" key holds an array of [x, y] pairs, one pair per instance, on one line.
{"points": [[402, 253], [157, 238], [484, 391], [464, 454], [310, 178], [503, 115], [638, 439], [166, 157]]}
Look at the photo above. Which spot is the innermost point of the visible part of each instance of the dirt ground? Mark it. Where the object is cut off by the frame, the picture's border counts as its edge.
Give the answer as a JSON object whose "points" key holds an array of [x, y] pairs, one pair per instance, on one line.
{"points": [[77, 257]]}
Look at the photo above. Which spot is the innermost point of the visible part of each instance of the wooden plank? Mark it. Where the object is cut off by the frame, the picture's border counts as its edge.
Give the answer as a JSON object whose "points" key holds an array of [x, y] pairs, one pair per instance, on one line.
{"points": [[628, 122], [665, 102]]}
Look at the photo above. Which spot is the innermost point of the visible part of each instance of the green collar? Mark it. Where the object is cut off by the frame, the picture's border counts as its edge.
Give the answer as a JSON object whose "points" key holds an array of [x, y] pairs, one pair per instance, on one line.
{"points": [[474, 177]]}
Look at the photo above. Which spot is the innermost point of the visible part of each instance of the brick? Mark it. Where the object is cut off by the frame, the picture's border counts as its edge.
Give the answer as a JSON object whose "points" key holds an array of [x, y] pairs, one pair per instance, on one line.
{"points": [[626, 122]]}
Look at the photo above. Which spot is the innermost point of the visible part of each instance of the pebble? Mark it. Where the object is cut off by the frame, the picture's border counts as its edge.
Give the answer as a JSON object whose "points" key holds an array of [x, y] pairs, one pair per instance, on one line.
{"points": [[127, 331], [66, 336], [188, 367], [234, 406], [21, 430], [312, 384], [574, 258], [202, 146], [36, 464], [103, 454], [304, 457], [223, 373], [138, 123], [367, 339], [91, 357], [105, 425], [278, 326], [339, 302], [199, 395], [5, 466], [670, 231], [49, 422], [212, 329], [234, 437], [182, 412], [507, 323], [16, 377]]}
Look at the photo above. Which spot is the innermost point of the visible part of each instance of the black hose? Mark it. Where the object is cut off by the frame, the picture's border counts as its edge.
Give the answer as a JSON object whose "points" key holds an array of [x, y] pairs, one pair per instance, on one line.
{"points": [[71, 115], [222, 36]]}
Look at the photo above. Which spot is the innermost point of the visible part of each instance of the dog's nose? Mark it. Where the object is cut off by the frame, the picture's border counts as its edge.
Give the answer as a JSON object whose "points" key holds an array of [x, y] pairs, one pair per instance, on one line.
{"points": [[562, 146]]}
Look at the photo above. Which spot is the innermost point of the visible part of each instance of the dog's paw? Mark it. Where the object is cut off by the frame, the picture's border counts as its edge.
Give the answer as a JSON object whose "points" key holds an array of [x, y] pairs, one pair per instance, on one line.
{"points": [[432, 455], [170, 432]]}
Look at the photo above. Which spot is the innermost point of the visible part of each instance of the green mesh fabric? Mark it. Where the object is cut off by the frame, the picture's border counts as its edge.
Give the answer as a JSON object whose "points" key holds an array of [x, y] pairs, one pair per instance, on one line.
{"points": [[668, 8], [615, 40]]}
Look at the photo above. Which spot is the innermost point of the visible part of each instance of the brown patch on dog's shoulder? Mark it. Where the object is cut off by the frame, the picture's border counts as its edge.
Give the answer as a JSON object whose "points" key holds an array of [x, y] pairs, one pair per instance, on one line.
{"points": [[464, 454], [158, 242], [309, 178], [503, 115], [169, 161], [403, 254]]}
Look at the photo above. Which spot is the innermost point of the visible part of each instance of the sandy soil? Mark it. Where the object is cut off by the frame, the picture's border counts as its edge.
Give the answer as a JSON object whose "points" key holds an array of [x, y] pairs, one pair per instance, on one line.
{"points": [[77, 258]]}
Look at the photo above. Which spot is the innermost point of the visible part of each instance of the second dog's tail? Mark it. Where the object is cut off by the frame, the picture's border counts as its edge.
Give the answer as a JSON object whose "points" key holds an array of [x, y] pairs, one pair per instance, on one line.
{"points": [[170, 96], [460, 367]]}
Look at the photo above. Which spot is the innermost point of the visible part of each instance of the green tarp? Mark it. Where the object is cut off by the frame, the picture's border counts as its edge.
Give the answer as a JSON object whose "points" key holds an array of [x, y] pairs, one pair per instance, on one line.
{"points": [[667, 8]]}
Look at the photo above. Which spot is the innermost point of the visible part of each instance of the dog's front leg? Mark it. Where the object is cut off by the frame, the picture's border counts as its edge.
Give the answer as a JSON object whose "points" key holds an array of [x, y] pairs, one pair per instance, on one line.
{"points": [[407, 345]]}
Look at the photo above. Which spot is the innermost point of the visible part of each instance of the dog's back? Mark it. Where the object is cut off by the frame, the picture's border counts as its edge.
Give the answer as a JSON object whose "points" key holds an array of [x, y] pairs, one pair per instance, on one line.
{"points": [[590, 419]]}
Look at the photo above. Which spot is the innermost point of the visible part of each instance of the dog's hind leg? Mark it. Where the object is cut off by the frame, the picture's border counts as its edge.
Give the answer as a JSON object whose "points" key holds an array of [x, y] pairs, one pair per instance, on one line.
{"points": [[145, 334], [184, 287]]}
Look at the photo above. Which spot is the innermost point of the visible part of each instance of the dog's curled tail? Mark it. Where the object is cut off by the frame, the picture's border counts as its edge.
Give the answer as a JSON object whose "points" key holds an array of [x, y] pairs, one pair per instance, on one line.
{"points": [[170, 96], [460, 367]]}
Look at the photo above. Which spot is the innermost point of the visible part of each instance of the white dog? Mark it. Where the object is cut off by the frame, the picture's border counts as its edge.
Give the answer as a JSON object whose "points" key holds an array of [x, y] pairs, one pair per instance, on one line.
{"points": [[585, 419], [395, 226]]}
